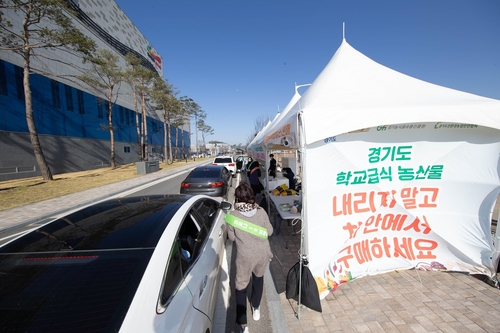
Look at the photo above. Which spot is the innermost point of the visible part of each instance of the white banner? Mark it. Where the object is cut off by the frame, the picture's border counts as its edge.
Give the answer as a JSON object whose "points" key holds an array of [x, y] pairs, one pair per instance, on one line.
{"points": [[400, 197]]}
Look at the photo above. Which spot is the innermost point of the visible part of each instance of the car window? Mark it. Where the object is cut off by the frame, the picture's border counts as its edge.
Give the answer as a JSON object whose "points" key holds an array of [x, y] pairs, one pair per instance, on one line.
{"points": [[207, 210], [186, 249], [223, 160], [176, 268], [205, 173]]}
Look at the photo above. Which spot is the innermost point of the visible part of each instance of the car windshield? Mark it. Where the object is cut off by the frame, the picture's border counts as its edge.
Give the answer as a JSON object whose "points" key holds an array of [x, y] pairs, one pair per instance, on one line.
{"points": [[205, 173], [223, 160], [114, 224], [80, 272]]}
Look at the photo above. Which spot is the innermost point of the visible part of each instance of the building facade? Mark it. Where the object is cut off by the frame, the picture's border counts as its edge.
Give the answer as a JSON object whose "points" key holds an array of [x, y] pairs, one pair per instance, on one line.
{"points": [[71, 119]]}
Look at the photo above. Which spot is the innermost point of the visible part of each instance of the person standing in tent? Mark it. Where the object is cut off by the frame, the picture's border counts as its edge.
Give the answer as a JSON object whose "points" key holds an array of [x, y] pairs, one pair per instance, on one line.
{"points": [[249, 228], [272, 166], [288, 173], [254, 178]]}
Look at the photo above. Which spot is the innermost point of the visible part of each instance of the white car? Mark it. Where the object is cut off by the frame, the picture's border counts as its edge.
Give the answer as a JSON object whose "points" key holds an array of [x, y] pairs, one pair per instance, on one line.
{"points": [[226, 161], [138, 264]]}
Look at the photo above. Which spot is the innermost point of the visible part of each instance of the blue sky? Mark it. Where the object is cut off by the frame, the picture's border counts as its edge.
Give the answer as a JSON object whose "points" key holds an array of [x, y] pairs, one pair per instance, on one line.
{"points": [[240, 59]]}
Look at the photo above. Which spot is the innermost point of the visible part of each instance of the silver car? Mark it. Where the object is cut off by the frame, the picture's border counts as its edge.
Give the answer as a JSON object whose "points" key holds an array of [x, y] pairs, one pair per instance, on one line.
{"points": [[210, 180], [140, 264]]}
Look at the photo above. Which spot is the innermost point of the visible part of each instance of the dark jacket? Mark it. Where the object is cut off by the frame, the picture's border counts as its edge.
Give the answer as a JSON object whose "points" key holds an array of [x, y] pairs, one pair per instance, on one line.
{"points": [[291, 179]]}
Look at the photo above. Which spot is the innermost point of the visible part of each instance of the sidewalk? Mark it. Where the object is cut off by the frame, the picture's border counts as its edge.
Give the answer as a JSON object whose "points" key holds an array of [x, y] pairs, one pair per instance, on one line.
{"points": [[404, 301]]}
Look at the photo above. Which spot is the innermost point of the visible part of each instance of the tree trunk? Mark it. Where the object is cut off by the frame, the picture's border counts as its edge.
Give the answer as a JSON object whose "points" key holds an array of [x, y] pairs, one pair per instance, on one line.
{"points": [[196, 129], [137, 124], [30, 120], [189, 131], [144, 127], [165, 137], [111, 130], [169, 140]]}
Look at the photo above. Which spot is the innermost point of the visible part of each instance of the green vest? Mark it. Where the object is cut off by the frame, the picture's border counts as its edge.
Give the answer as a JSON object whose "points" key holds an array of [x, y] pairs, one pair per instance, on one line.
{"points": [[246, 226]]}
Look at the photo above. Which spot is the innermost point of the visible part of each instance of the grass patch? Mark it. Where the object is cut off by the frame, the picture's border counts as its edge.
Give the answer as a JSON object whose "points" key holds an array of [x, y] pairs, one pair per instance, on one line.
{"points": [[21, 192]]}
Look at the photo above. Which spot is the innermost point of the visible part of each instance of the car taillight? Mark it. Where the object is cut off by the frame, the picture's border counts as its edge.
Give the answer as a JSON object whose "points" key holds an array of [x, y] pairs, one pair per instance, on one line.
{"points": [[214, 164], [218, 184], [231, 164], [185, 185]]}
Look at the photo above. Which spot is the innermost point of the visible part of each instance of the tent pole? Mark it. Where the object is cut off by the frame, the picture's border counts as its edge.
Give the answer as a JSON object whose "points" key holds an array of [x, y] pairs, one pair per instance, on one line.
{"points": [[496, 253], [303, 189], [268, 203]]}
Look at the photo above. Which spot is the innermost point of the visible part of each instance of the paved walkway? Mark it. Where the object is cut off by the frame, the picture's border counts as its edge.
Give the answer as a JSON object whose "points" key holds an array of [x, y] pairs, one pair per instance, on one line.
{"points": [[404, 301]]}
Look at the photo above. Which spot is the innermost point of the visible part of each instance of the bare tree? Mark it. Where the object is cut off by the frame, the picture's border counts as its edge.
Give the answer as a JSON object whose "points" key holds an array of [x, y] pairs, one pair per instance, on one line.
{"points": [[205, 130], [45, 25], [106, 80], [192, 109], [141, 80], [259, 124], [163, 95], [131, 75]]}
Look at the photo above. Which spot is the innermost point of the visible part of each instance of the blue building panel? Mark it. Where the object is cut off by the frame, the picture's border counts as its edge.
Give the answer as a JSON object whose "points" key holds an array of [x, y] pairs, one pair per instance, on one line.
{"points": [[84, 116], [187, 141], [173, 136]]}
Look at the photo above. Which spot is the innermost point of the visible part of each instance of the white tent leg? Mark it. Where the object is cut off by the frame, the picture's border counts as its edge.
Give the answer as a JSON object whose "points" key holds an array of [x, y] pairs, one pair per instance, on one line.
{"points": [[496, 242]]}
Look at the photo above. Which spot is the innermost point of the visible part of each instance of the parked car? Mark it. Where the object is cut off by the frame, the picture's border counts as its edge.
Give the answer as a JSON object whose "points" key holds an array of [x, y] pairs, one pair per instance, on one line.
{"points": [[210, 180], [226, 161], [241, 163], [138, 264]]}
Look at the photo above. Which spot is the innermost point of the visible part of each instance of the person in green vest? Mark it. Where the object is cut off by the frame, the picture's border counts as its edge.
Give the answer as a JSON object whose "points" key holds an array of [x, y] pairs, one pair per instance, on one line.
{"points": [[249, 229], [249, 166]]}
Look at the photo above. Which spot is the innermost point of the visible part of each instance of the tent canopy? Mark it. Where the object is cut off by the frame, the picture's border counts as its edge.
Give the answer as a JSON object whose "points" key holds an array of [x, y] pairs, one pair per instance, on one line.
{"points": [[354, 92]]}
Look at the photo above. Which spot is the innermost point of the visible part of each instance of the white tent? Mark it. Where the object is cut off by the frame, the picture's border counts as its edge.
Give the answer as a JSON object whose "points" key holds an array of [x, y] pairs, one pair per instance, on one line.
{"points": [[256, 148], [258, 141], [398, 173]]}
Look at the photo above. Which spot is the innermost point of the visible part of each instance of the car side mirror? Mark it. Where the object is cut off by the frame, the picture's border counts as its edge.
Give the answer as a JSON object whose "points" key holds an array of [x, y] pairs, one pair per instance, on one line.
{"points": [[225, 206]]}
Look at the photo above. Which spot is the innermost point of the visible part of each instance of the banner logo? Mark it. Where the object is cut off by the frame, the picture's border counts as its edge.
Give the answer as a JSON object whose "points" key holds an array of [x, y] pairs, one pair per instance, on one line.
{"points": [[153, 56]]}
